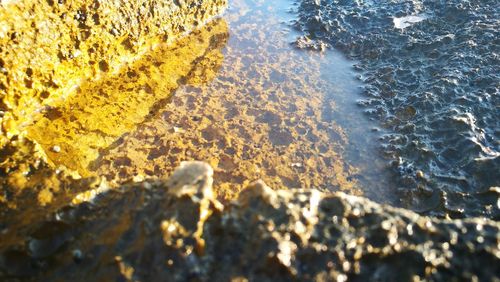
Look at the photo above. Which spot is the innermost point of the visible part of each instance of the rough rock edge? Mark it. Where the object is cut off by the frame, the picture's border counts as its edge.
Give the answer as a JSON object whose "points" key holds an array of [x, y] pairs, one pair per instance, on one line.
{"points": [[175, 230]]}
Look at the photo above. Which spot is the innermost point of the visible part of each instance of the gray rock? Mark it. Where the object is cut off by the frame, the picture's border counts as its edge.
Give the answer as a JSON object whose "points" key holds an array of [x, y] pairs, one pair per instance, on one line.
{"points": [[175, 230]]}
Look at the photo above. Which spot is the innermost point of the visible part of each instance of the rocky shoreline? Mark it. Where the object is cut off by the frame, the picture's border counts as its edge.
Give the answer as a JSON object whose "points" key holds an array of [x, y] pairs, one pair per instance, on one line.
{"points": [[59, 223], [431, 80]]}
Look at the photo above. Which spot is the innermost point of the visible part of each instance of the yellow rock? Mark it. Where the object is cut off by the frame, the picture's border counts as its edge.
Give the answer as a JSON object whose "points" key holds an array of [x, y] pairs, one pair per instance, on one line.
{"points": [[101, 111], [49, 49]]}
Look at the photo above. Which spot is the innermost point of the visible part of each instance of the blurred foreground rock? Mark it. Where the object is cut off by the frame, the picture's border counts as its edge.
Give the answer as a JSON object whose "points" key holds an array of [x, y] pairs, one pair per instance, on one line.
{"points": [[175, 230], [48, 48]]}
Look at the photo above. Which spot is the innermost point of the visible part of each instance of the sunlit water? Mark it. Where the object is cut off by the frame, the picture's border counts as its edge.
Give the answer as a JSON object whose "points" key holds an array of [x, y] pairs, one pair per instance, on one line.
{"points": [[272, 112], [236, 94]]}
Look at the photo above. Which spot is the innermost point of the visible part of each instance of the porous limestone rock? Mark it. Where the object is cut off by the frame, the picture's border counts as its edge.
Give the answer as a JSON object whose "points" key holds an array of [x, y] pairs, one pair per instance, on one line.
{"points": [[47, 143], [47, 47]]}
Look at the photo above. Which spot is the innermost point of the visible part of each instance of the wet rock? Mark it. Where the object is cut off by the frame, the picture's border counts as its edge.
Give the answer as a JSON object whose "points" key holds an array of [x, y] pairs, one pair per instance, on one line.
{"points": [[108, 113], [55, 149], [175, 230], [430, 78], [305, 42], [48, 239]]}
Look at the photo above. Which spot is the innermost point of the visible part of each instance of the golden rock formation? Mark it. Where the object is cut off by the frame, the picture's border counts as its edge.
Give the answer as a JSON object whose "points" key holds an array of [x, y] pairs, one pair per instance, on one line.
{"points": [[49, 48], [101, 111]]}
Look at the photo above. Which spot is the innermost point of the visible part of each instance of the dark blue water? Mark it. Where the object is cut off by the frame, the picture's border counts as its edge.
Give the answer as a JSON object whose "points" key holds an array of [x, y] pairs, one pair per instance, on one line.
{"points": [[431, 76]]}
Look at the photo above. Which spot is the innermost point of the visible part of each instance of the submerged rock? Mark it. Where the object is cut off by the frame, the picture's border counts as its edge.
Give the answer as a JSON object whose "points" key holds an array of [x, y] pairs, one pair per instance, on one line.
{"points": [[175, 230]]}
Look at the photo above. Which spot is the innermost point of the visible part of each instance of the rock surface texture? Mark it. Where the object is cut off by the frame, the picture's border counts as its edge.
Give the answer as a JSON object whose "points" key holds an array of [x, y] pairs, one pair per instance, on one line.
{"points": [[60, 64], [431, 78], [49, 47], [175, 230], [63, 68]]}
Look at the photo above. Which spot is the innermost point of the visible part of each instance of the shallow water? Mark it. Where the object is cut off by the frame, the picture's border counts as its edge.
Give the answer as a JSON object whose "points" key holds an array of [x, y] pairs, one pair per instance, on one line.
{"points": [[236, 94], [268, 113], [244, 94]]}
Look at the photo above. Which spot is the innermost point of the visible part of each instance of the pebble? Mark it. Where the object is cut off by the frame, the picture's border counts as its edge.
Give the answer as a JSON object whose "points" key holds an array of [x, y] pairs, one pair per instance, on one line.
{"points": [[77, 255], [178, 130]]}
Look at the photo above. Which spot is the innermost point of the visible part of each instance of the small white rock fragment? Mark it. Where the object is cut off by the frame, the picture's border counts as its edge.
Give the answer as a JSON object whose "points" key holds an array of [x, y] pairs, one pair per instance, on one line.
{"points": [[407, 21], [178, 130], [138, 178], [56, 149]]}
